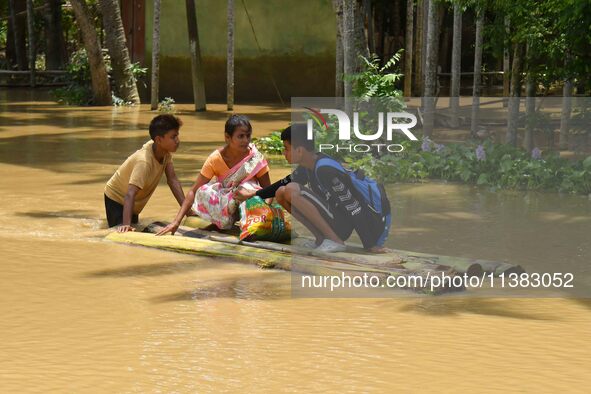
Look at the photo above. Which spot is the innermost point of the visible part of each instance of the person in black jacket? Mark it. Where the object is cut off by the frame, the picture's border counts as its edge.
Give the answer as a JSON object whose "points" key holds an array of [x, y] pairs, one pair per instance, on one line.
{"points": [[322, 198]]}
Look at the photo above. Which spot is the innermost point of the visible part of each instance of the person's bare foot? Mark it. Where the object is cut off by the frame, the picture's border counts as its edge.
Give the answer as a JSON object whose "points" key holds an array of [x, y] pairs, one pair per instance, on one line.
{"points": [[211, 227], [379, 250]]}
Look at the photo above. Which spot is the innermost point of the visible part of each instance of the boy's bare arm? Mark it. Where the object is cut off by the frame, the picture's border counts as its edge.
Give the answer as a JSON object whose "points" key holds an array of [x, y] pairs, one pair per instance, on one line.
{"points": [[174, 184], [185, 207], [128, 209]]}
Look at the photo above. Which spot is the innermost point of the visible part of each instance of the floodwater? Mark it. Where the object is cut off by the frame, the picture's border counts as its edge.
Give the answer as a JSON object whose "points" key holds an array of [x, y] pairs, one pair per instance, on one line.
{"points": [[80, 314]]}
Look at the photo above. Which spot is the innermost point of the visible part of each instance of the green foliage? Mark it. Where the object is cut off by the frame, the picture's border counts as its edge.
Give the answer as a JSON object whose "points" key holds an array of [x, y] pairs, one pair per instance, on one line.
{"points": [[375, 91], [375, 81], [78, 90], [581, 119], [496, 166], [490, 165], [499, 166], [166, 106], [139, 74], [73, 94], [3, 34], [556, 32], [271, 144], [118, 101]]}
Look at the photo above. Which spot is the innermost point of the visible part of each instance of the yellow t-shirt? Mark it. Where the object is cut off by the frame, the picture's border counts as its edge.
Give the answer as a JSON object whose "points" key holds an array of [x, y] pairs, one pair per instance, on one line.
{"points": [[140, 169]]}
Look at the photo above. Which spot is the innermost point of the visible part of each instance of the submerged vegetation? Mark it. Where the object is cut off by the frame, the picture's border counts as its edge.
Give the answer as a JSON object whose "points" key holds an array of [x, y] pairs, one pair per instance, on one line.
{"points": [[495, 165], [166, 106]]}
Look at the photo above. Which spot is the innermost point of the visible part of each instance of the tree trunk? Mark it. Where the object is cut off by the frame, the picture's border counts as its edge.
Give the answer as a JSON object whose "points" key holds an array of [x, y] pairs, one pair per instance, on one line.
{"points": [[456, 64], [530, 108], [31, 35], [506, 63], [446, 36], [361, 47], [348, 45], [381, 49], [55, 47], [397, 21], [155, 83], [567, 92], [339, 56], [368, 11], [418, 52], [408, 49], [424, 41], [511, 137], [430, 69], [125, 84], [230, 58], [530, 111], [196, 64], [98, 72], [477, 71], [16, 49]]}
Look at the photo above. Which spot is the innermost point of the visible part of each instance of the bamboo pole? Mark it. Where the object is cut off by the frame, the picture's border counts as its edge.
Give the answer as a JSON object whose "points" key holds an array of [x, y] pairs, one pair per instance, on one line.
{"points": [[361, 258], [230, 58], [565, 114], [196, 64], [15, 33], [477, 70], [264, 259], [506, 63], [530, 106], [418, 51], [155, 57], [408, 49], [355, 254], [339, 55], [349, 55], [430, 70], [456, 60], [514, 101], [368, 14], [32, 48]]}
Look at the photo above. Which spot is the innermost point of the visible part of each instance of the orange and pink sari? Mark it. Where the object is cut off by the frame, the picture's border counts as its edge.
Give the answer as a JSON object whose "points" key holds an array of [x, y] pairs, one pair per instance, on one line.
{"points": [[215, 201]]}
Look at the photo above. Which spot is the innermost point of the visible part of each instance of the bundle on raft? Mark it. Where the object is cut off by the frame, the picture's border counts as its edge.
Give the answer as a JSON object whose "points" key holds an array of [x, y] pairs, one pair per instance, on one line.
{"points": [[354, 262]]}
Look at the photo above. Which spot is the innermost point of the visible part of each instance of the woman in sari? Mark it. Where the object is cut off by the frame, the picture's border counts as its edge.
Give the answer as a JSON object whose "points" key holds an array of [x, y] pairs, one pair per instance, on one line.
{"points": [[237, 164]]}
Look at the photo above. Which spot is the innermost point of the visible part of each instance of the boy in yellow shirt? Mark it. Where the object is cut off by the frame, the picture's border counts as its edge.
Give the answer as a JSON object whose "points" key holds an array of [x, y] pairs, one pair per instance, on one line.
{"points": [[132, 185]]}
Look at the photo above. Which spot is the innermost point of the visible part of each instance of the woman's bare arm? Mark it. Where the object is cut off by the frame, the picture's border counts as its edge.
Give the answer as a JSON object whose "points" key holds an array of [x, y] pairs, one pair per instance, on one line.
{"points": [[189, 199]]}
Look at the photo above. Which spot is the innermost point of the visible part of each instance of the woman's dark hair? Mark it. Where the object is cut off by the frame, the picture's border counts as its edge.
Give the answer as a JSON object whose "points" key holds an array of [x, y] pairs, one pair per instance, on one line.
{"points": [[235, 121], [162, 124], [297, 135]]}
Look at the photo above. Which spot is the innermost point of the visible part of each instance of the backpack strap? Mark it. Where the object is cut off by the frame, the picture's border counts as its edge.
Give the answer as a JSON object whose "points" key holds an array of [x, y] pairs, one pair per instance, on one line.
{"points": [[328, 162], [325, 161]]}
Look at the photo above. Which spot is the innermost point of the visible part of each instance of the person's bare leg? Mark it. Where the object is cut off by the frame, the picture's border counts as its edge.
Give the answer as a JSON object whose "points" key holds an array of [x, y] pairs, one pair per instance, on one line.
{"points": [[286, 204], [313, 220], [319, 237], [280, 197], [210, 227]]}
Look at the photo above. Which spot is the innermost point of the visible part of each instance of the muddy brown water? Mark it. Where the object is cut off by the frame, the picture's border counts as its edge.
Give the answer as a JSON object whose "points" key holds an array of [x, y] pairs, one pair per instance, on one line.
{"points": [[80, 314]]}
